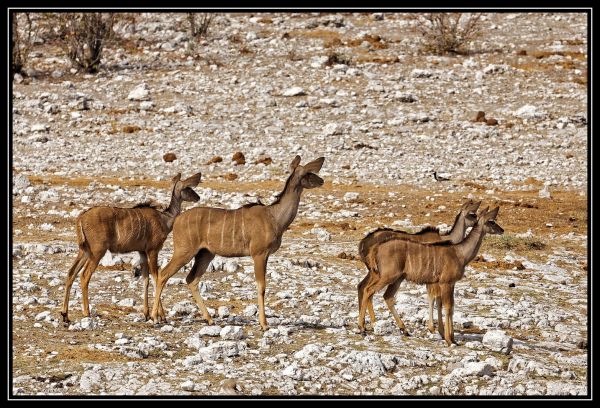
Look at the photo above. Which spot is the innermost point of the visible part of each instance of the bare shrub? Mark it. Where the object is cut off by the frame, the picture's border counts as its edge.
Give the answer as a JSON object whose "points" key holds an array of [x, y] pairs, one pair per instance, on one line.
{"points": [[448, 32], [334, 58], [22, 40], [199, 23], [85, 35]]}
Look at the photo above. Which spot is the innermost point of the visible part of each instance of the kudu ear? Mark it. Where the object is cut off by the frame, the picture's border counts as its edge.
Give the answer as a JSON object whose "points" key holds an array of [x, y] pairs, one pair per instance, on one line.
{"points": [[192, 181], [295, 163], [483, 212], [492, 214], [472, 206], [314, 166], [175, 179]]}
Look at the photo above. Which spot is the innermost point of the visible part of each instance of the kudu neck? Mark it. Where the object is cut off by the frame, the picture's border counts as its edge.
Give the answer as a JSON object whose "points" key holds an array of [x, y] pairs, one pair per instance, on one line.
{"points": [[468, 248], [172, 211], [457, 233], [284, 210]]}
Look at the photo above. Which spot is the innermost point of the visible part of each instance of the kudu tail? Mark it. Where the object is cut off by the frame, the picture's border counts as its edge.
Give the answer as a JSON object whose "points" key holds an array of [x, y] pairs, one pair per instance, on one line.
{"points": [[81, 239], [363, 251]]}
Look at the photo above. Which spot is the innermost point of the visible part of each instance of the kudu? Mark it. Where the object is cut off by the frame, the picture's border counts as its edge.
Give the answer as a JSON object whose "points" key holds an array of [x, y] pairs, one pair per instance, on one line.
{"points": [[465, 218], [442, 263], [253, 230], [142, 228]]}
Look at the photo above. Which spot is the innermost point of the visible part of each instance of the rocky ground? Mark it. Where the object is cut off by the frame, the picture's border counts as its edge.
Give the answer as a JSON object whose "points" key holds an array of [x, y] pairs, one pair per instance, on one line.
{"points": [[356, 89]]}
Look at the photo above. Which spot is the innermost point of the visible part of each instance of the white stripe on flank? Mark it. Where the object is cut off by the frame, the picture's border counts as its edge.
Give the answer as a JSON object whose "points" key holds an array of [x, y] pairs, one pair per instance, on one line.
{"points": [[233, 229], [137, 223], [243, 230], [407, 263], [131, 227], [223, 228], [116, 225], [189, 232], [197, 228], [143, 226], [208, 229], [434, 261]]}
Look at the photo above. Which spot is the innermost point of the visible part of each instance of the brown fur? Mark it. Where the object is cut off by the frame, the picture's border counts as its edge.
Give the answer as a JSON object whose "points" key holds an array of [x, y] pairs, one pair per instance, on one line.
{"points": [[367, 249], [252, 230], [142, 228], [427, 263]]}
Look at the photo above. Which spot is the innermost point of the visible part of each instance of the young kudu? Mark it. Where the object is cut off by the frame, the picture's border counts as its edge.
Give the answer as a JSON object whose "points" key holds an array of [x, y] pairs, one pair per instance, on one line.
{"points": [[465, 218], [142, 228], [253, 230], [442, 263]]}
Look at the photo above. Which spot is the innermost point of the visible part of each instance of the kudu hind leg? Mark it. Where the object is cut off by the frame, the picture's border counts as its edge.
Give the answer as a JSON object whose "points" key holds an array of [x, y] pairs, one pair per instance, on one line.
{"points": [[201, 262], [373, 287], [361, 288], [72, 274], [90, 267], [363, 303]]}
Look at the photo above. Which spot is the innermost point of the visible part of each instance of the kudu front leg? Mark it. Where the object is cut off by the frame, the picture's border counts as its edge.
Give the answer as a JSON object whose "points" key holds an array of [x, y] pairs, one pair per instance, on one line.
{"points": [[144, 271], [260, 269], [431, 301], [438, 301], [175, 264], [152, 267], [201, 262], [389, 297], [447, 295]]}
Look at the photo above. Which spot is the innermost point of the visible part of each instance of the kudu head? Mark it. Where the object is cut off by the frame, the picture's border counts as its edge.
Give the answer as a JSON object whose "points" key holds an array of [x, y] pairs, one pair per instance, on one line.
{"points": [[304, 176], [182, 189], [487, 219], [469, 212]]}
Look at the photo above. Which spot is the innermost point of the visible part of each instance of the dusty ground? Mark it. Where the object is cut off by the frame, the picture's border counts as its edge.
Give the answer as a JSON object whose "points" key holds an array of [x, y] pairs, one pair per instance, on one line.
{"points": [[530, 283]]}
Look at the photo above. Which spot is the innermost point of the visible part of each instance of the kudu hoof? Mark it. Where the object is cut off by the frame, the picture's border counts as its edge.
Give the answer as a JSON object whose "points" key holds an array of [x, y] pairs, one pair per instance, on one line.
{"points": [[65, 318]]}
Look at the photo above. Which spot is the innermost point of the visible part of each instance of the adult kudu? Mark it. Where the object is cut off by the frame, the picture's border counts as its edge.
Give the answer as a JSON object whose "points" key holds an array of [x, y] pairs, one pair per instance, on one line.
{"points": [[426, 263], [253, 230], [367, 250], [143, 228]]}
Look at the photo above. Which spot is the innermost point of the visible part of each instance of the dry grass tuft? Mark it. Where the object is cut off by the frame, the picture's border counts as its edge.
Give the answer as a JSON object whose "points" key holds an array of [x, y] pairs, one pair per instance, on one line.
{"points": [[513, 243], [131, 129]]}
